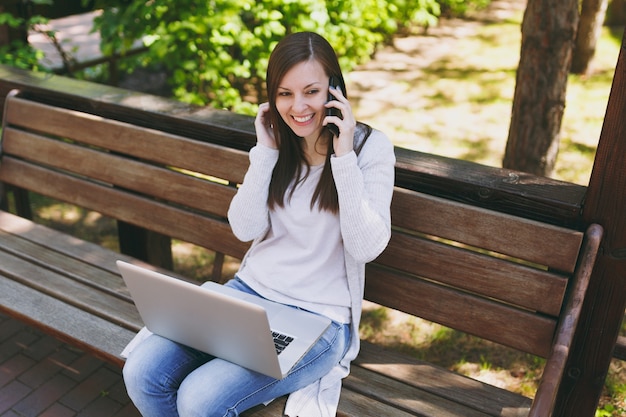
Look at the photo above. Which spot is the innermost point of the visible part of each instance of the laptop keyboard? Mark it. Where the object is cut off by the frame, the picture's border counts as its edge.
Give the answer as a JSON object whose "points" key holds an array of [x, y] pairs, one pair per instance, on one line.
{"points": [[281, 341]]}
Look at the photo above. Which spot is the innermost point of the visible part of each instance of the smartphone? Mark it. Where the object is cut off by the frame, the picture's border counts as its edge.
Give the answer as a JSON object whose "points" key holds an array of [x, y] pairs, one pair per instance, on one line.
{"points": [[333, 82]]}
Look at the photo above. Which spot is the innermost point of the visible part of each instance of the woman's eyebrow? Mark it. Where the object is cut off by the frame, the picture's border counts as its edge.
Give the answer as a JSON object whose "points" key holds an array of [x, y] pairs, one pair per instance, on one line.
{"points": [[305, 87]]}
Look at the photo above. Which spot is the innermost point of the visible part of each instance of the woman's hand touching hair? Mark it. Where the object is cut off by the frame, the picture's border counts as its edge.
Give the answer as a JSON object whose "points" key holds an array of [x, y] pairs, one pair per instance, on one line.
{"points": [[263, 126]]}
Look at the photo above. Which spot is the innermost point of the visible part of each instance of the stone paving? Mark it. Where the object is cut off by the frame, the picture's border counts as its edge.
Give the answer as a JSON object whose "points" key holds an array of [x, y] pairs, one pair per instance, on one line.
{"points": [[40, 376]]}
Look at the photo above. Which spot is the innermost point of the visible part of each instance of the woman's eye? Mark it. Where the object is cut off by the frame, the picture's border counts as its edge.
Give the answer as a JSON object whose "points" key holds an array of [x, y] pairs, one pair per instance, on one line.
{"points": [[284, 93], [315, 91]]}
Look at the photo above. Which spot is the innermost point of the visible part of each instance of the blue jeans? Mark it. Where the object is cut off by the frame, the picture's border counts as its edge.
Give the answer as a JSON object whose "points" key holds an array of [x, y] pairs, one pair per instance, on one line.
{"points": [[164, 378]]}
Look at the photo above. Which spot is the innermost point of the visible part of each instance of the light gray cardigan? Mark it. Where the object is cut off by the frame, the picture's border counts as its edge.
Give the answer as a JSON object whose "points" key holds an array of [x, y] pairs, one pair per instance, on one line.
{"points": [[364, 187]]}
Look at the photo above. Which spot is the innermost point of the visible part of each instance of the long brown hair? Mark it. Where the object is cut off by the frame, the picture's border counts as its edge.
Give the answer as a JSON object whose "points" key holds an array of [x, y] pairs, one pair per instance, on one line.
{"points": [[290, 51]]}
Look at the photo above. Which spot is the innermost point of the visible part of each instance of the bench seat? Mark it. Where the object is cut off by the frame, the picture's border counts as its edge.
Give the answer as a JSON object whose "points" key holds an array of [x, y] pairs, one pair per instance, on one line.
{"points": [[70, 288]]}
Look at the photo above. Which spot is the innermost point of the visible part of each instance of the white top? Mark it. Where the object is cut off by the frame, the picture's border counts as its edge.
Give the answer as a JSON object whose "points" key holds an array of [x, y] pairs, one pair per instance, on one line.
{"points": [[364, 188], [301, 261]]}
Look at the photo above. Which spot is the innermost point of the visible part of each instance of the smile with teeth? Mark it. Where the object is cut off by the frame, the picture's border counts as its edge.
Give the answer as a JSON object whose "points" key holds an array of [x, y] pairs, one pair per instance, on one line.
{"points": [[302, 119]]}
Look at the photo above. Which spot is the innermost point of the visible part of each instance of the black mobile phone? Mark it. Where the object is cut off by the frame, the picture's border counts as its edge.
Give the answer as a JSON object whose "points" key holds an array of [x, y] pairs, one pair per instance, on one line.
{"points": [[333, 82]]}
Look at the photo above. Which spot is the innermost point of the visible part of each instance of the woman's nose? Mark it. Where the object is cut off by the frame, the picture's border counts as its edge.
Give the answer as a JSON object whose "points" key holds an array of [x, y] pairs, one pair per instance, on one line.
{"points": [[300, 103]]}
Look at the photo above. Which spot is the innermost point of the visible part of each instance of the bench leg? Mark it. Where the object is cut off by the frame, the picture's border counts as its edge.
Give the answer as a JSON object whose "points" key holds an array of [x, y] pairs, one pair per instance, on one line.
{"points": [[21, 199], [146, 245]]}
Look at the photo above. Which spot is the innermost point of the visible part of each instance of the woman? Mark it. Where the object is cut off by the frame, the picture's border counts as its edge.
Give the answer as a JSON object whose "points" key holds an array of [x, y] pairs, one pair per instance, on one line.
{"points": [[316, 207]]}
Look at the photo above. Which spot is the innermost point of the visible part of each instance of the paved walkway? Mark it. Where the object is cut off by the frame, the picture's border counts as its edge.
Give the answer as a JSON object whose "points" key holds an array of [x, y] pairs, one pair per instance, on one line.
{"points": [[40, 376], [74, 36]]}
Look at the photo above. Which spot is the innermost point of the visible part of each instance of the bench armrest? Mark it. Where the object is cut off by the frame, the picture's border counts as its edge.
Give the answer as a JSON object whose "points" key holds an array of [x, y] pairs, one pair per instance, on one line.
{"points": [[555, 366]]}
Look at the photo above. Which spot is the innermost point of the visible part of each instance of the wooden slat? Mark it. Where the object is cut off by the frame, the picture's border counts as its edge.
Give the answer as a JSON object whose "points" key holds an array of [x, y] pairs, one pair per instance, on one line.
{"points": [[519, 329], [368, 393], [161, 183], [476, 272], [126, 138], [78, 294], [210, 233], [384, 387], [73, 268], [62, 244], [503, 190], [555, 367], [510, 235], [91, 333], [427, 378], [351, 404]]}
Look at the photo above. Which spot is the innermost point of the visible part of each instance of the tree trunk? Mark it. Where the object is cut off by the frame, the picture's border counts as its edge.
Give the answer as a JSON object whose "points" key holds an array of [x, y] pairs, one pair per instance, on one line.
{"points": [[589, 28], [548, 34], [616, 13]]}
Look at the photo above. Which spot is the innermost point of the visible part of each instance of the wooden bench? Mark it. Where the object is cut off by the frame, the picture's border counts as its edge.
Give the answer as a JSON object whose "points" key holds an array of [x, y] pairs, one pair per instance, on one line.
{"points": [[503, 277]]}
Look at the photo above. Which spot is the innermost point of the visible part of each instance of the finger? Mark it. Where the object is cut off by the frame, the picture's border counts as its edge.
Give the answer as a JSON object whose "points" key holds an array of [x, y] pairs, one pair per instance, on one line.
{"points": [[337, 93]]}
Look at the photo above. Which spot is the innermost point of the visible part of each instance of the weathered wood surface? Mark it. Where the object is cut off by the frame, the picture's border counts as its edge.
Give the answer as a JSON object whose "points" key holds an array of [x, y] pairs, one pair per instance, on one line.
{"points": [[555, 368], [537, 198]]}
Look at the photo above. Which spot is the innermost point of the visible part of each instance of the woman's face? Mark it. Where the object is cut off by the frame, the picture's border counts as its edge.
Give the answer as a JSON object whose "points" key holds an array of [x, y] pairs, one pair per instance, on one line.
{"points": [[301, 96]]}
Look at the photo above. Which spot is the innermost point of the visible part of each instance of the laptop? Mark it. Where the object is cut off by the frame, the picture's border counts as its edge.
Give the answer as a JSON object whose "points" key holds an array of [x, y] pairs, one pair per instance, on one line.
{"points": [[250, 331]]}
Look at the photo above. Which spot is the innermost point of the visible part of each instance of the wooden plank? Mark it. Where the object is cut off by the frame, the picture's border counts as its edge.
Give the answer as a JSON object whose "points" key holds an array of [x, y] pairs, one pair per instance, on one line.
{"points": [[351, 404], [144, 143], [521, 238], [476, 272], [63, 244], [501, 323], [73, 268], [200, 122], [71, 292], [210, 233], [385, 388], [130, 174], [517, 193], [73, 325], [441, 383], [554, 369]]}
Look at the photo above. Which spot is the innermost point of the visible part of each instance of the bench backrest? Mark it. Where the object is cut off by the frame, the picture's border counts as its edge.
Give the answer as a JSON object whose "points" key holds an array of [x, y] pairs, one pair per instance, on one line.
{"points": [[498, 276], [159, 181]]}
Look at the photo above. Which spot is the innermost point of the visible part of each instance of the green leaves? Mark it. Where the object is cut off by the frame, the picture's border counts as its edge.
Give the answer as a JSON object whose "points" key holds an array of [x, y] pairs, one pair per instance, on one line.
{"points": [[9, 19], [216, 51], [19, 53]]}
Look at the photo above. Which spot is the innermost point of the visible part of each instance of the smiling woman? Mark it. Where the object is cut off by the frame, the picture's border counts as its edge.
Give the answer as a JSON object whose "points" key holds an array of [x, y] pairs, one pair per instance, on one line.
{"points": [[301, 103], [304, 253]]}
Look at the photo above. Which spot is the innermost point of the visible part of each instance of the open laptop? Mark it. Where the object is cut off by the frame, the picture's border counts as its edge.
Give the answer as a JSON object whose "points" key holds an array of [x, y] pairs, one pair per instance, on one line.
{"points": [[252, 332]]}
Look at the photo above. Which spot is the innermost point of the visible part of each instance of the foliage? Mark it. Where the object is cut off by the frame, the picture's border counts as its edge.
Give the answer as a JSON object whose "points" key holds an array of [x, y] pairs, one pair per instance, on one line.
{"points": [[216, 52], [19, 53], [460, 7]]}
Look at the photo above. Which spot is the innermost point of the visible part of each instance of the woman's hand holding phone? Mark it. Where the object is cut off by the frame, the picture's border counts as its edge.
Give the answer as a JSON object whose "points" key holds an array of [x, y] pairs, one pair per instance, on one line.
{"points": [[264, 128], [340, 120]]}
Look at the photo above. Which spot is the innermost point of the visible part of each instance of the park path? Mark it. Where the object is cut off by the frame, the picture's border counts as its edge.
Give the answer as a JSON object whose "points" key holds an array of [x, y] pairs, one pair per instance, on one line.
{"points": [[415, 72], [42, 377]]}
